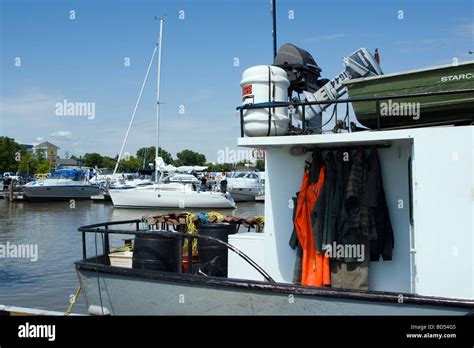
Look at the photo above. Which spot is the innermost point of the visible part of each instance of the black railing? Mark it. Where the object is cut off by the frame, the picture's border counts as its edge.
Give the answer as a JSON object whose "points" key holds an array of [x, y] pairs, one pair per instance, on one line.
{"points": [[303, 105], [104, 229]]}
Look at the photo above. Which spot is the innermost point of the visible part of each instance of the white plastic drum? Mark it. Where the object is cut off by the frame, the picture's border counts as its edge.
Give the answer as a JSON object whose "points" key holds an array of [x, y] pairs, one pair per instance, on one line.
{"points": [[263, 84]]}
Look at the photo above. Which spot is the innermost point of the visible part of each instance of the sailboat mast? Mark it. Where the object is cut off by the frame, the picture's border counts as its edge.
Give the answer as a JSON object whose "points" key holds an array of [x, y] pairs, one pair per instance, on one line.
{"points": [[160, 45]]}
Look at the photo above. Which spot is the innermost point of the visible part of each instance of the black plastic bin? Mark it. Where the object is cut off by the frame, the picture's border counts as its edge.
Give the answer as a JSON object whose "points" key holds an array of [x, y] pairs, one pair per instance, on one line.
{"points": [[157, 253], [212, 255]]}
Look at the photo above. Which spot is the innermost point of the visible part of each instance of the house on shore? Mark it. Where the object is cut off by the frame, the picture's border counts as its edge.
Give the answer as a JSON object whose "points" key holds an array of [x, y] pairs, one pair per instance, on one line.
{"points": [[49, 150]]}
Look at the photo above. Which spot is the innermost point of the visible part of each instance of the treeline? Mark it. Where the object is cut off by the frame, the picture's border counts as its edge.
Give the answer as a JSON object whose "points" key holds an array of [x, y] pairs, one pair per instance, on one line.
{"points": [[144, 158], [15, 158]]}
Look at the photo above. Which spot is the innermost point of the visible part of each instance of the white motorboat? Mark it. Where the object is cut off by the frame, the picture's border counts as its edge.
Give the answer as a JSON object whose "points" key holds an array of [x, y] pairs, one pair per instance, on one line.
{"points": [[171, 195], [63, 184], [245, 185]]}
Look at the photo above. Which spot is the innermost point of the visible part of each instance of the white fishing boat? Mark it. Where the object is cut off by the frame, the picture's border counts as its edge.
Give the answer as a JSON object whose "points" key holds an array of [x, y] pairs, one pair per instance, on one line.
{"points": [[63, 184], [414, 236], [412, 162], [245, 186]]}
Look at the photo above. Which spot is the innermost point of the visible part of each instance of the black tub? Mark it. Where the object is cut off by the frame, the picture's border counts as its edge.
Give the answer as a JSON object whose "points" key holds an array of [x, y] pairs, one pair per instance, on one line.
{"points": [[157, 253], [212, 255]]}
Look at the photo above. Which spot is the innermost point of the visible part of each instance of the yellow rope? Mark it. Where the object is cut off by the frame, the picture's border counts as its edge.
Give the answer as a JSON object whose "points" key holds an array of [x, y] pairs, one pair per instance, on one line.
{"points": [[215, 214], [190, 228], [125, 247], [73, 302], [260, 223]]}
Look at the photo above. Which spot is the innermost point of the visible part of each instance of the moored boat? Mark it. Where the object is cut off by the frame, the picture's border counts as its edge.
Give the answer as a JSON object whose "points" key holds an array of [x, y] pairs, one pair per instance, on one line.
{"points": [[112, 290], [61, 185], [245, 186], [445, 96], [169, 195], [392, 205]]}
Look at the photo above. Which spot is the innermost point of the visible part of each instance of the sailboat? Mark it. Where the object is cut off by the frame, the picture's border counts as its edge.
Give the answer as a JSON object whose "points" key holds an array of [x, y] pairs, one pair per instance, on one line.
{"points": [[164, 194]]}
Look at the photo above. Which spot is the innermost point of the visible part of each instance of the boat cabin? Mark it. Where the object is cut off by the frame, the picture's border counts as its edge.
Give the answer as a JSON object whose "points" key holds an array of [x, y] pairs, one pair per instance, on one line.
{"points": [[428, 180]]}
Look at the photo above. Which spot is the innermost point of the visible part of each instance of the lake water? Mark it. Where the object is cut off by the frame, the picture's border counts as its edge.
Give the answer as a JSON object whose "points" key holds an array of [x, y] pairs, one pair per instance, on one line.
{"points": [[48, 282]]}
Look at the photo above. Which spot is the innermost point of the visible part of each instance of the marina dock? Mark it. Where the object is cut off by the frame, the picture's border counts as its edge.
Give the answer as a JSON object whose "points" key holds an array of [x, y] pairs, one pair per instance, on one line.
{"points": [[16, 195]]}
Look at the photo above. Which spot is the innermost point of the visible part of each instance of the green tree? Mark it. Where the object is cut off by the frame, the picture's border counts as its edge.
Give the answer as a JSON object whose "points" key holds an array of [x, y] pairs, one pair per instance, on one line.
{"points": [[92, 159], [227, 167], [43, 167], [190, 158], [131, 164], [261, 165], [220, 167], [148, 153], [10, 155], [40, 156], [28, 163], [108, 162]]}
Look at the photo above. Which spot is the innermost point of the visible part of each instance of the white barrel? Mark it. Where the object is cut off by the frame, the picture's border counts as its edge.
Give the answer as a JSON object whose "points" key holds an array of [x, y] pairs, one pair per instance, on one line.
{"points": [[263, 84]]}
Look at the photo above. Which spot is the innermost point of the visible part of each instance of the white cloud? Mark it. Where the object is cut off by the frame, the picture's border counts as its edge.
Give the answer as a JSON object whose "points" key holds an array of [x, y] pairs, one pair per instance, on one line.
{"points": [[328, 37], [32, 102], [61, 135], [30, 115]]}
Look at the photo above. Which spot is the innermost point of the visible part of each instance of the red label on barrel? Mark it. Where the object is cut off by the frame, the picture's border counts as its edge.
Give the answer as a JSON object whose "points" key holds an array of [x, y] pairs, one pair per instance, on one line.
{"points": [[247, 90]]}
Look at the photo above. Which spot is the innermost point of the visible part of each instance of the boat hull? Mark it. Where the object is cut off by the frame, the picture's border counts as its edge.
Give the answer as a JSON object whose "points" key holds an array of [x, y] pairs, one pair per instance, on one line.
{"points": [[433, 110], [182, 294], [243, 194], [60, 193], [150, 198]]}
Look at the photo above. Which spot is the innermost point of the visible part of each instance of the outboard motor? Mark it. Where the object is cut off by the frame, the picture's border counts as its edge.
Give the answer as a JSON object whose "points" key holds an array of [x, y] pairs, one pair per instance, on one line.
{"points": [[295, 70], [359, 64], [303, 72]]}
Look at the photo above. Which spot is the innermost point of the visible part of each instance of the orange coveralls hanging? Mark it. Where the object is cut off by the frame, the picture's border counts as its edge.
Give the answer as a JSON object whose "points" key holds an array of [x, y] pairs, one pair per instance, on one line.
{"points": [[315, 266]]}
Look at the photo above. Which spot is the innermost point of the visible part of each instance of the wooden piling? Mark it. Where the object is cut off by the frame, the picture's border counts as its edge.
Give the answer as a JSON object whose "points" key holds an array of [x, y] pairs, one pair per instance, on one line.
{"points": [[10, 192]]}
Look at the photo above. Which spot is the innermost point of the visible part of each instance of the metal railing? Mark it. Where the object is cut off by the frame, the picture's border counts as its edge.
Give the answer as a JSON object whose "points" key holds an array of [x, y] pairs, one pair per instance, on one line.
{"points": [[296, 105], [104, 229]]}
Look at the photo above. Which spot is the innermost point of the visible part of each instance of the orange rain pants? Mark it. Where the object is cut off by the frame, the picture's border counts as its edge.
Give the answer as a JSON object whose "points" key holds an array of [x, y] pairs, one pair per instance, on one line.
{"points": [[315, 266]]}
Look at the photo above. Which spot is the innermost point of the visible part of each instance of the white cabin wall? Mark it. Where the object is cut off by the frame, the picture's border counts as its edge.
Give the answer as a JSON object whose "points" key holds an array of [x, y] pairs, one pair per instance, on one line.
{"points": [[394, 275], [444, 210], [443, 206], [283, 183]]}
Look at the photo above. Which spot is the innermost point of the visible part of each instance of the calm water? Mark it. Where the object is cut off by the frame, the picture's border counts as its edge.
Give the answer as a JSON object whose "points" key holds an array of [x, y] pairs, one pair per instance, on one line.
{"points": [[48, 282]]}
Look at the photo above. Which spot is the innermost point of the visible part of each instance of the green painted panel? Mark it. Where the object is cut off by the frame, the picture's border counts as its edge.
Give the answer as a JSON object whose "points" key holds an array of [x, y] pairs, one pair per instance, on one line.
{"points": [[446, 109]]}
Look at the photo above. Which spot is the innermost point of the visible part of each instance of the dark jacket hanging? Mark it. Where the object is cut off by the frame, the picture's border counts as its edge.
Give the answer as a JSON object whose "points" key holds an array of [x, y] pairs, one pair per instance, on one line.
{"points": [[381, 233], [327, 209]]}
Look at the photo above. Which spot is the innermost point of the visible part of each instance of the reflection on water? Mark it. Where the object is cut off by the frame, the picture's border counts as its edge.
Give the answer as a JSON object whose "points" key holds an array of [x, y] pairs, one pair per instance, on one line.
{"points": [[48, 282]]}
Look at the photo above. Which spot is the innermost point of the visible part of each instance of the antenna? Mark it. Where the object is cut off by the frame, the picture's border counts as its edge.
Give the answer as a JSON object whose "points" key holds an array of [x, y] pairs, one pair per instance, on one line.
{"points": [[274, 31]]}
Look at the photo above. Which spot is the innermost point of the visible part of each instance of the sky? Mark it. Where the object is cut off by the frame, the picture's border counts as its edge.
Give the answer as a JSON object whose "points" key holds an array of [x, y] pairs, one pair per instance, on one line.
{"points": [[50, 54]]}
